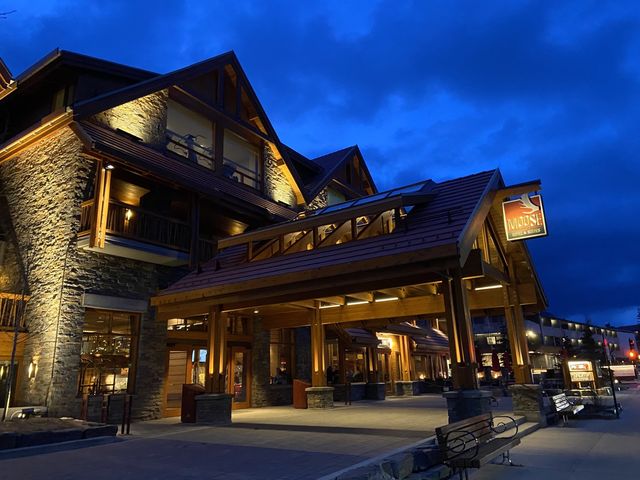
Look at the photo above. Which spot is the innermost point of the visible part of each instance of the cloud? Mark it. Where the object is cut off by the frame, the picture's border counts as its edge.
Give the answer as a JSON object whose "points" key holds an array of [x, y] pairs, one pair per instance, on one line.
{"points": [[545, 90]]}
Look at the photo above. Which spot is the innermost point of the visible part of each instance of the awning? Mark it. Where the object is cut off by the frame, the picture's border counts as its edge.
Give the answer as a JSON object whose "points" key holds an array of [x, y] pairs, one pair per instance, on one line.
{"points": [[360, 336], [428, 340]]}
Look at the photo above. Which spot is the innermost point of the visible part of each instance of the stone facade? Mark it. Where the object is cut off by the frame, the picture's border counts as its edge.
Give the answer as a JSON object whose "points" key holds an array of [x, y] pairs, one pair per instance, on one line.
{"points": [[213, 408], [464, 404], [276, 185], [320, 201], [319, 397], [528, 401], [303, 353], [144, 117], [260, 374], [45, 186]]}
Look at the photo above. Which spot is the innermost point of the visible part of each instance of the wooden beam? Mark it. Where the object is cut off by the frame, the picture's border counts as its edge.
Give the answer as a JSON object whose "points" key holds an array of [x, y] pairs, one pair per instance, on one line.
{"points": [[365, 296], [338, 300], [518, 189], [318, 377], [492, 272], [216, 351]]}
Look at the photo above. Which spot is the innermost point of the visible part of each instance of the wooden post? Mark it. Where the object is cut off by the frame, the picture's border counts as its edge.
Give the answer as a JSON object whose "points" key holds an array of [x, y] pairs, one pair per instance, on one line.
{"points": [[373, 365], [100, 207], [461, 346], [318, 376], [216, 351], [516, 329], [194, 251]]}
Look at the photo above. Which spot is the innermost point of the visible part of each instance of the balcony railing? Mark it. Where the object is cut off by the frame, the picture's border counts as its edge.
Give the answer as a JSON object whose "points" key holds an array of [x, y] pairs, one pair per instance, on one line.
{"points": [[186, 146], [12, 307], [138, 224], [241, 174]]}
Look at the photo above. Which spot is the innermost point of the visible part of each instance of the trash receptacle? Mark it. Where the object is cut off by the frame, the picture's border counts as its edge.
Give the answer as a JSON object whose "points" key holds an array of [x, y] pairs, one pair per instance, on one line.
{"points": [[300, 394], [188, 409]]}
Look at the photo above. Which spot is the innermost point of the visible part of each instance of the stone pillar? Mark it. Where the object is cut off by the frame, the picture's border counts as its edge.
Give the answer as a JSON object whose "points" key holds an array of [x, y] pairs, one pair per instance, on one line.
{"points": [[319, 397], [260, 374], [213, 408], [303, 353], [407, 388], [463, 357], [527, 401], [467, 403]]}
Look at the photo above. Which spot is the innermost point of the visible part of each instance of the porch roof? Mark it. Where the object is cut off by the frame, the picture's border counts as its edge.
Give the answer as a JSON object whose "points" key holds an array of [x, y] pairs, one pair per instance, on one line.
{"points": [[432, 231]]}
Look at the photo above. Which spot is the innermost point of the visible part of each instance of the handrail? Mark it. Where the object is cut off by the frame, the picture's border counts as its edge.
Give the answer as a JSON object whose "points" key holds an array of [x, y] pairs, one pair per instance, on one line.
{"points": [[194, 151]]}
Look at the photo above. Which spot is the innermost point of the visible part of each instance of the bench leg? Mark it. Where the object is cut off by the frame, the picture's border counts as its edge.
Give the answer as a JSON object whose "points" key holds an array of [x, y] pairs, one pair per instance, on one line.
{"points": [[506, 458]]}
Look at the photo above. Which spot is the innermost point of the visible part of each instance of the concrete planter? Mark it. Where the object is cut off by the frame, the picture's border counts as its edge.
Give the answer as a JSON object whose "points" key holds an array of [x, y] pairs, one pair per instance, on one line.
{"points": [[407, 388], [467, 403], [213, 409], [319, 397], [375, 391]]}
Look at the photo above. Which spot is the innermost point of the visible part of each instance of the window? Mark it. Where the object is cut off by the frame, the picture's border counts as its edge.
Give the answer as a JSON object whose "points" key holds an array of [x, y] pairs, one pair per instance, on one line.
{"points": [[189, 135], [190, 324], [281, 356], [109, 341], [241, 160]]}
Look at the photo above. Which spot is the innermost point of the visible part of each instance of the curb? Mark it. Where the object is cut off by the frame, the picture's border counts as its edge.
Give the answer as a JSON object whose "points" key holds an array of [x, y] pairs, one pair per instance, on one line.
{"points": [[57, 447]]}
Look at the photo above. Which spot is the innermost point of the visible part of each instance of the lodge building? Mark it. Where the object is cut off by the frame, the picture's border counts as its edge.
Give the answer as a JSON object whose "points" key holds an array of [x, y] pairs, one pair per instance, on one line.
{"points": [[155, 232]]}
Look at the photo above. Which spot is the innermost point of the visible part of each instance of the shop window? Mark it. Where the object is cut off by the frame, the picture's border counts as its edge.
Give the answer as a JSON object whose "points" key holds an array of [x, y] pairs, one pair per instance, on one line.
{"points": [[241, 160], [281, 356], [109, 342], [355, 365]]}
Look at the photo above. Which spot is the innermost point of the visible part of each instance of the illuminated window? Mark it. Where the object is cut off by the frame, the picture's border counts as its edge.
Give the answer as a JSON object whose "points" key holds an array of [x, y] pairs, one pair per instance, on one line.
{"points": [[281, 356], [190, 324], [189, 135], [109, 342], [241, 160]]}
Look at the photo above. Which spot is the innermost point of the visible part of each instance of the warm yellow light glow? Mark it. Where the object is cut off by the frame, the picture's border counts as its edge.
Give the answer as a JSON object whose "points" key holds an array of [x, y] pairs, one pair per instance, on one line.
{"points": [[488, 287], [32, 370], [531, 334], [128, 214], [386, 299], [329, 305], [357, 302]]}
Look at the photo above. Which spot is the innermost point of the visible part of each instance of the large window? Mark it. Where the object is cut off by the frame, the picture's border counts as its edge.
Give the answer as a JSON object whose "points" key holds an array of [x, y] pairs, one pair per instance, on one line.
{"points": [[241, 160], [281, 356], [109, 341], [190, 135]]}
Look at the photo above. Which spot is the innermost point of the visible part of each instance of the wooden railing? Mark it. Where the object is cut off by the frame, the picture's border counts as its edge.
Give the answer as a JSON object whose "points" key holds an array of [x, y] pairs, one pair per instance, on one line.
{"points": [[186, 146], [147, 227], [12, 307], [136, 223], [240, 173]]}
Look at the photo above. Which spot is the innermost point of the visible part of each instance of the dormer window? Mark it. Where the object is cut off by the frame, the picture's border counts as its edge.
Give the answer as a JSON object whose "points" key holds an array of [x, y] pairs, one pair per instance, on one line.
{"points": [[242, 160], [190, 135]]}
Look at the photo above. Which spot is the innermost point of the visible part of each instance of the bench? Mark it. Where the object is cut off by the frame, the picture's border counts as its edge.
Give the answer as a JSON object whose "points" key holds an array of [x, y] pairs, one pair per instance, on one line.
{"points": [[564, 408], [473, 442]]}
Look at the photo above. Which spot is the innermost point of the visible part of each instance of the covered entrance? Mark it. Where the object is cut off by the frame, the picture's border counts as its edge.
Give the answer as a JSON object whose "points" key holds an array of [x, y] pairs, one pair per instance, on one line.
{"points": [[394, 264]]}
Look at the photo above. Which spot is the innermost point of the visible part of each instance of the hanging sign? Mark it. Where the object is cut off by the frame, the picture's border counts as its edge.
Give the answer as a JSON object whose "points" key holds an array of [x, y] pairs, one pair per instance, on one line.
{"points": [[524, 218]]}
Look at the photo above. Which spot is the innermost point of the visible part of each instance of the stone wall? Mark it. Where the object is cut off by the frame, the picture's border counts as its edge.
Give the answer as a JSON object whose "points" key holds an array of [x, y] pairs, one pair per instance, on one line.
{"points": [[45, 186], [321, 200], [303, 353], [276, 185], [144, 117], [260, 374]]}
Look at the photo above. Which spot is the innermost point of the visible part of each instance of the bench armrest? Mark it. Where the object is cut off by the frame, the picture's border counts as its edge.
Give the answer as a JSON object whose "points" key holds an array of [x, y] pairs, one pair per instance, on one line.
{"points": [[504, 423], [462, 442]]}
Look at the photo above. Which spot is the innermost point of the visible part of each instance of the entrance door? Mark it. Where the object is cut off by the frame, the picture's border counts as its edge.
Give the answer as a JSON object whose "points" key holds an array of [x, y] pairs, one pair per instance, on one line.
{"points": [[176, 377], [240, 378]]}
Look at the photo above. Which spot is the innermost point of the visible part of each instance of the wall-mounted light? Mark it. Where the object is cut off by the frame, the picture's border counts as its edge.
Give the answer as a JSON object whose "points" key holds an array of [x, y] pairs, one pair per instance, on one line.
{"points": [[3, 371], [128, 213], [256, 311], [488, 287], [109, 166], [386, 299], [32, 370]]}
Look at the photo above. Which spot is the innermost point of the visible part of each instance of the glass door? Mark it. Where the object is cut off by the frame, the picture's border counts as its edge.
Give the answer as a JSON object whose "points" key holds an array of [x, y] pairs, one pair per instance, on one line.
{"points": [[240, 378]]}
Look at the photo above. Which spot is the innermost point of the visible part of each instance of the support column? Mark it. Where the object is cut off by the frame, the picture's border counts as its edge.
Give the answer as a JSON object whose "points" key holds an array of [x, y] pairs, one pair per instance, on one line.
{"points": [[214, 407], [463, 356], [216, 351], [100, 207], [516, 330], [319, 395]]}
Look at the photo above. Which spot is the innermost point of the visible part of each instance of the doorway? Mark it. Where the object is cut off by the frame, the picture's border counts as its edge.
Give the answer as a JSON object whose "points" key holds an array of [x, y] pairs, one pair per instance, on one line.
{"points": [[186, 365], [239, 382]]}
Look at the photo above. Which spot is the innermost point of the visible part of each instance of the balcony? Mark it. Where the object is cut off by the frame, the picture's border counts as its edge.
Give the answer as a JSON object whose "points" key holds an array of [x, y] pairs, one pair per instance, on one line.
{"points": [[12, 307], [187, 146]]}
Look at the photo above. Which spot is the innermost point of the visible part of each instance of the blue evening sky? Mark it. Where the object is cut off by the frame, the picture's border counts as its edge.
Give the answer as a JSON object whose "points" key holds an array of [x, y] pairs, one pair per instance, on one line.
{"points": [[427, 89]]}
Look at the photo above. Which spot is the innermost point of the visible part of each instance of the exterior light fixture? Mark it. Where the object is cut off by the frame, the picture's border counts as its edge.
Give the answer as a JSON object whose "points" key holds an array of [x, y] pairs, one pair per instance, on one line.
{"points": [[128, 213], [329, 305], [357, 302], [256, 311], [109, 166], [32, 370], [531, 334], [488, 287], [386, 299]]}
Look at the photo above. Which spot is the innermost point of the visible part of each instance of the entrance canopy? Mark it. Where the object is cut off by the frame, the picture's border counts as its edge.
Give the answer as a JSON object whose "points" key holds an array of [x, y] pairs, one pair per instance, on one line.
{"points": [[381, 256], [426, 250]]}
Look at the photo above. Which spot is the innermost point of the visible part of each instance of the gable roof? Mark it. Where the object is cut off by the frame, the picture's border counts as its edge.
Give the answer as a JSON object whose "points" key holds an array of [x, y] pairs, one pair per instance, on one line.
{"points": [[183, 173], [432, 230], [117, 97]]}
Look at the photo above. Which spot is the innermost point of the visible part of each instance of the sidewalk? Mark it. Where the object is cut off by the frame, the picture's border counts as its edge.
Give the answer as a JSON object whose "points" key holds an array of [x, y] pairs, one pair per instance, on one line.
{"points": [[584, 450]]}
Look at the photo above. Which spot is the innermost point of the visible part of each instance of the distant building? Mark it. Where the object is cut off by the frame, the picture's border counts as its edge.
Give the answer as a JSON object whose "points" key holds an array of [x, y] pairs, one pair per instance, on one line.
{"points": [[548, 335]]}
